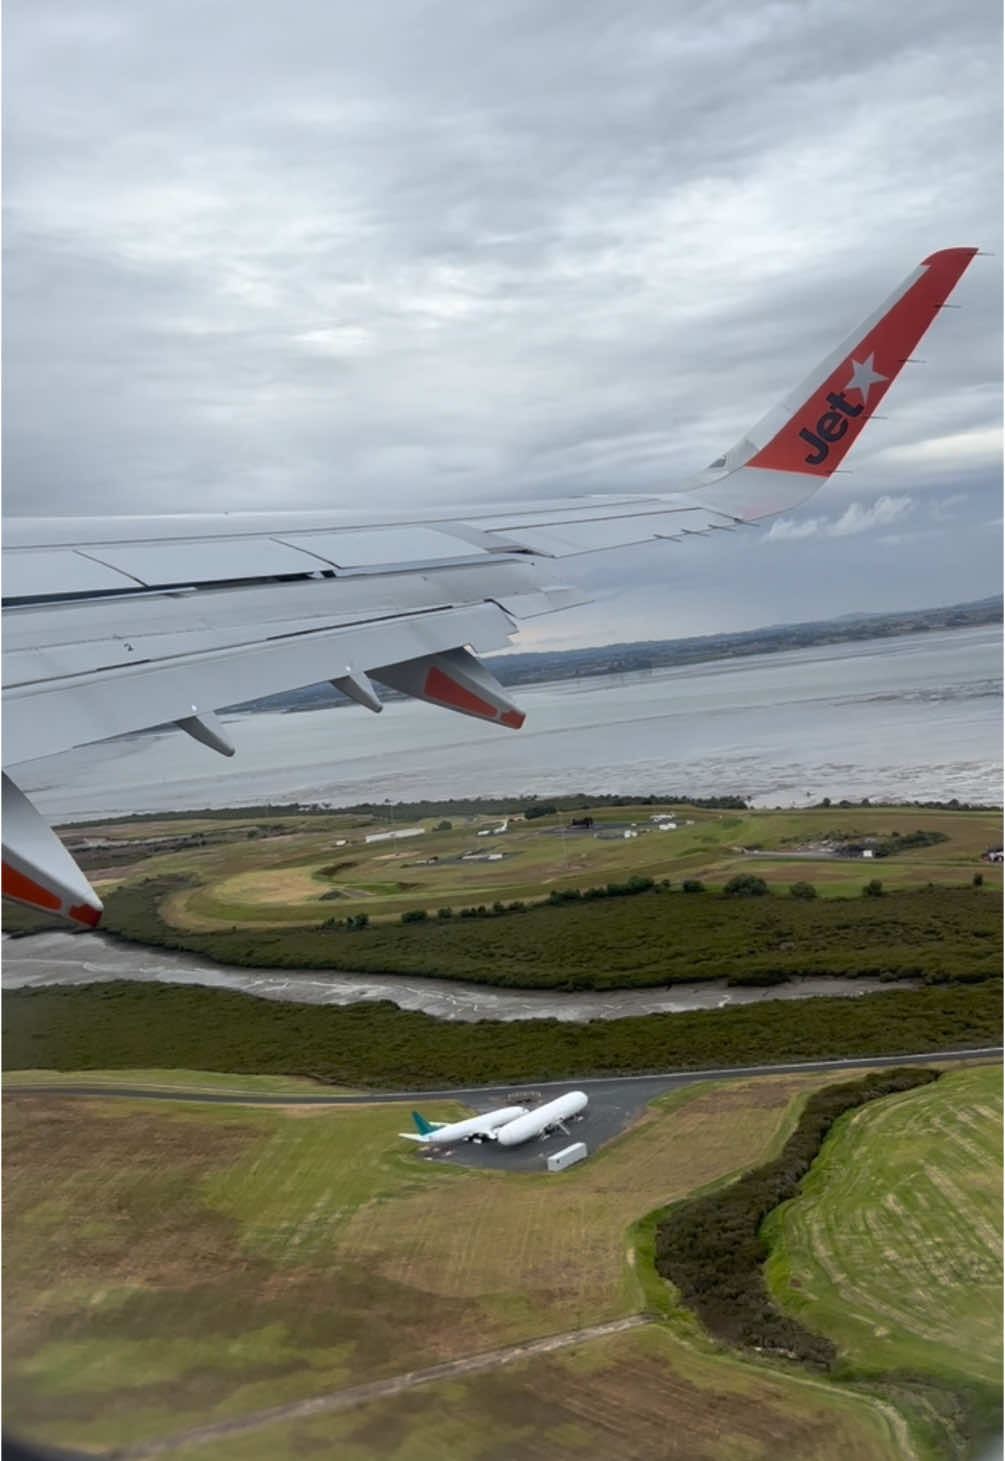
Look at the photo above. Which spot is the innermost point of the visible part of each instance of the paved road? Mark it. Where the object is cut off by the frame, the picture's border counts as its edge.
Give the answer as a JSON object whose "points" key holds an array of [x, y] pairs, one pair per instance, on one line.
{"points": [[615, 1101]]}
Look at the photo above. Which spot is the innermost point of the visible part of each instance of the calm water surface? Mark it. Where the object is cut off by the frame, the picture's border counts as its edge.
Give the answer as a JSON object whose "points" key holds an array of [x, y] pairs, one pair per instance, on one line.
{"points": [[913, 718]]}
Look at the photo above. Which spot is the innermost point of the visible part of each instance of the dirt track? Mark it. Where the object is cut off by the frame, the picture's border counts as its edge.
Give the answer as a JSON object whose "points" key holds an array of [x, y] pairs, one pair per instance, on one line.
{"points": [[377, 1389]]}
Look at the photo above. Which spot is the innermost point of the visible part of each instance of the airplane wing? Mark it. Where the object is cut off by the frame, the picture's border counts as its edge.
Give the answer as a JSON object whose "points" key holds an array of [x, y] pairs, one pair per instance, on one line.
{"points": [[113, 625]]}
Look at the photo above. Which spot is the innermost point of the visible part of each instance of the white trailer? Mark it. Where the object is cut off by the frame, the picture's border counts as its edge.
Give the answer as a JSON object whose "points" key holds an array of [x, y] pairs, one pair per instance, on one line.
{"points": [[558, 1161]]}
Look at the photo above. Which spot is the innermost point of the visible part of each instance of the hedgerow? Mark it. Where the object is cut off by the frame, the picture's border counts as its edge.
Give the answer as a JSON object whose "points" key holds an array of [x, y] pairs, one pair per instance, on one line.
{"points": [[127, 1024], [710, 1247]]}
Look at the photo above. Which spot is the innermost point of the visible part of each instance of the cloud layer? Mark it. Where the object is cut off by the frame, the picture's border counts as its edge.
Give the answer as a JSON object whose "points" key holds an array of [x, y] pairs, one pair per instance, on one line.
{"points": [[313, 255]]}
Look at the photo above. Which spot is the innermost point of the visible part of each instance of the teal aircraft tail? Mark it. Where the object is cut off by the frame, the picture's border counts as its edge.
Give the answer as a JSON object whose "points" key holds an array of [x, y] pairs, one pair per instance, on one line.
{"points": [[423, 1126]]}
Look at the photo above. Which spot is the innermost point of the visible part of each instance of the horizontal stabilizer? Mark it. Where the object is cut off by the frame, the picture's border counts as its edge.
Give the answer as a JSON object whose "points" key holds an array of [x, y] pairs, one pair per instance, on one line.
{"points": [[37, 869], [456, 680]]}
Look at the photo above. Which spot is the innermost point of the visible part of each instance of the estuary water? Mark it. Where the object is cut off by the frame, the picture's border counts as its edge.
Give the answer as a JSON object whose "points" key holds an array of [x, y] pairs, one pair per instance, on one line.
{"points": [[68, 958], [912, 718]]}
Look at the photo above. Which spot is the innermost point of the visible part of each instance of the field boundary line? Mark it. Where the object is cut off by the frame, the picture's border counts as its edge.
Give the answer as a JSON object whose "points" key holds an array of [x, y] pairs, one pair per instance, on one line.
{"points": [[377, 1389]]}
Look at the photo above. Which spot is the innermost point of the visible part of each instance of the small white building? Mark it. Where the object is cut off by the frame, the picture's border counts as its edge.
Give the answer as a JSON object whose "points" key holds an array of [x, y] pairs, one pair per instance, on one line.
{"points": [[628, 834], [666, 826], [567, 1157], [396, 835], [868, 852]]}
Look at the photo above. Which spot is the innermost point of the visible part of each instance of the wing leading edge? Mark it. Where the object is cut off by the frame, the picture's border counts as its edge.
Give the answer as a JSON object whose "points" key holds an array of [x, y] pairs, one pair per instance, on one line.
{"points": [[118, 624]]}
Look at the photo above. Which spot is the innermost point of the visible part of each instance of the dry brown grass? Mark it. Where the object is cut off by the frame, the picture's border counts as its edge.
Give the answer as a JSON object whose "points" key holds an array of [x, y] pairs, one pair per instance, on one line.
{"points": [[642, 1396]]}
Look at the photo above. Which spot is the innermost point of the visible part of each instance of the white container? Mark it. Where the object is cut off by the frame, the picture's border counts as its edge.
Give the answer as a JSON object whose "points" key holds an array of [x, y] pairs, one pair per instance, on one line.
{"points": [[569, 1155]]}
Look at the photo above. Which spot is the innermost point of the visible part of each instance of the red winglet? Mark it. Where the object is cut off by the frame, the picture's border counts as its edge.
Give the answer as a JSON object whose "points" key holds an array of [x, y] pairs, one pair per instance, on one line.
{"points": [[816, 437]]}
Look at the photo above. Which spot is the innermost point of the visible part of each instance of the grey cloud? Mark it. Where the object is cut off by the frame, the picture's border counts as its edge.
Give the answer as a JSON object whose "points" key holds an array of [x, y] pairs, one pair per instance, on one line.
{"points": [[317, 254]]}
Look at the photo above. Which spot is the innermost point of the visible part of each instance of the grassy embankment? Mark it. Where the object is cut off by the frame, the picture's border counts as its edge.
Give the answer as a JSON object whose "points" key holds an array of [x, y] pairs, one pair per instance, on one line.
{"points": [[190, 1082], [893, 1248], [167, 1266], [710, 1248]]}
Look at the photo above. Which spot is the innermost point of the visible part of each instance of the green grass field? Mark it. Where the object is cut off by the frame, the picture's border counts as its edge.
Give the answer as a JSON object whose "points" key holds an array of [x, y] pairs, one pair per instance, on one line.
{"points": [[277, 880], [203, 1082], [166, 1265], [170, 1266], [893, 1249]]}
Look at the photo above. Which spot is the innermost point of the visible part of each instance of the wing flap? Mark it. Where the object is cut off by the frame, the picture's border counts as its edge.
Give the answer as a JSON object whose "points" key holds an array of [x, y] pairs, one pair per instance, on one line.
{"points": [[40, 720], [39, 573], [158, 564]]}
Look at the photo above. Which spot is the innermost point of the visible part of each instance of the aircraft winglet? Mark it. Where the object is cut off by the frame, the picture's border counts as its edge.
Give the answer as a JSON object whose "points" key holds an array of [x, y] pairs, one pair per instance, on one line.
{"points": [[794, 449]]}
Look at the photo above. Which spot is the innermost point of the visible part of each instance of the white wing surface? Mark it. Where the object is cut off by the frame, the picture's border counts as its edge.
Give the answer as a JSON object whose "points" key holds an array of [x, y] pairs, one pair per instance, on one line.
{"points": [[113, 625]]}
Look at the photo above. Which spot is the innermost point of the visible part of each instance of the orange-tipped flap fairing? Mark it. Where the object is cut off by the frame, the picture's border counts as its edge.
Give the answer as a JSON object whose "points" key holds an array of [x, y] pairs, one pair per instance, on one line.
{"points": [[37, 869]]}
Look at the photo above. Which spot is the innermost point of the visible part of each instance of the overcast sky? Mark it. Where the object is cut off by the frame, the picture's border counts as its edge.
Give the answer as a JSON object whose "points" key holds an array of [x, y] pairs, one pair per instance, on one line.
{"points": [[319, 254]]}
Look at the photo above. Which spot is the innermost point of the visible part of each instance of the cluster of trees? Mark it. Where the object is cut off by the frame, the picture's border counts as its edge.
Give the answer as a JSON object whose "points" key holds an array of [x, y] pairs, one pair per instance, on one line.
{"points": [[712, 1249], [953, 805], [892, 844], [637, 883], [350, 923], [558, 896], [745, 885]]}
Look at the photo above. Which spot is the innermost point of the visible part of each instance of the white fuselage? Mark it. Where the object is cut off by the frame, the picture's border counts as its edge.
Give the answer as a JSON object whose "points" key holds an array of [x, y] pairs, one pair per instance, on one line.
{"points": [[484, 1127], [541, 1120]]}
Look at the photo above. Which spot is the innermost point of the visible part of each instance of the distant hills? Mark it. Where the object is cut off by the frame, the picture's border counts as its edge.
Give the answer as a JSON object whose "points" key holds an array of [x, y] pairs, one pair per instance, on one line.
{"points": [[651, 654]]}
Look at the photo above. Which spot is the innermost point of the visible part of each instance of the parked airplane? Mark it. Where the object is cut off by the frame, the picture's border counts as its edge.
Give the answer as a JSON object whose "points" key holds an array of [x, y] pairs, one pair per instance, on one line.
{"points": [[543, 1119], [475, 1128], [114, 625]]}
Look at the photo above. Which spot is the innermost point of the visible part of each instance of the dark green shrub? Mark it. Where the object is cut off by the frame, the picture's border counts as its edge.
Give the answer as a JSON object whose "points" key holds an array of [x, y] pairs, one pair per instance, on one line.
{"points": [[745, 885], [415, 915], [872, 889], [692, 885], [803, 890], [711, 1246]]}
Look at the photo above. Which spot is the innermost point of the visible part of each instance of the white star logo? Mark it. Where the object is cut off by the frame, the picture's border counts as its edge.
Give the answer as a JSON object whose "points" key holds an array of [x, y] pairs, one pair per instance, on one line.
{"points": [[863, 377]]}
